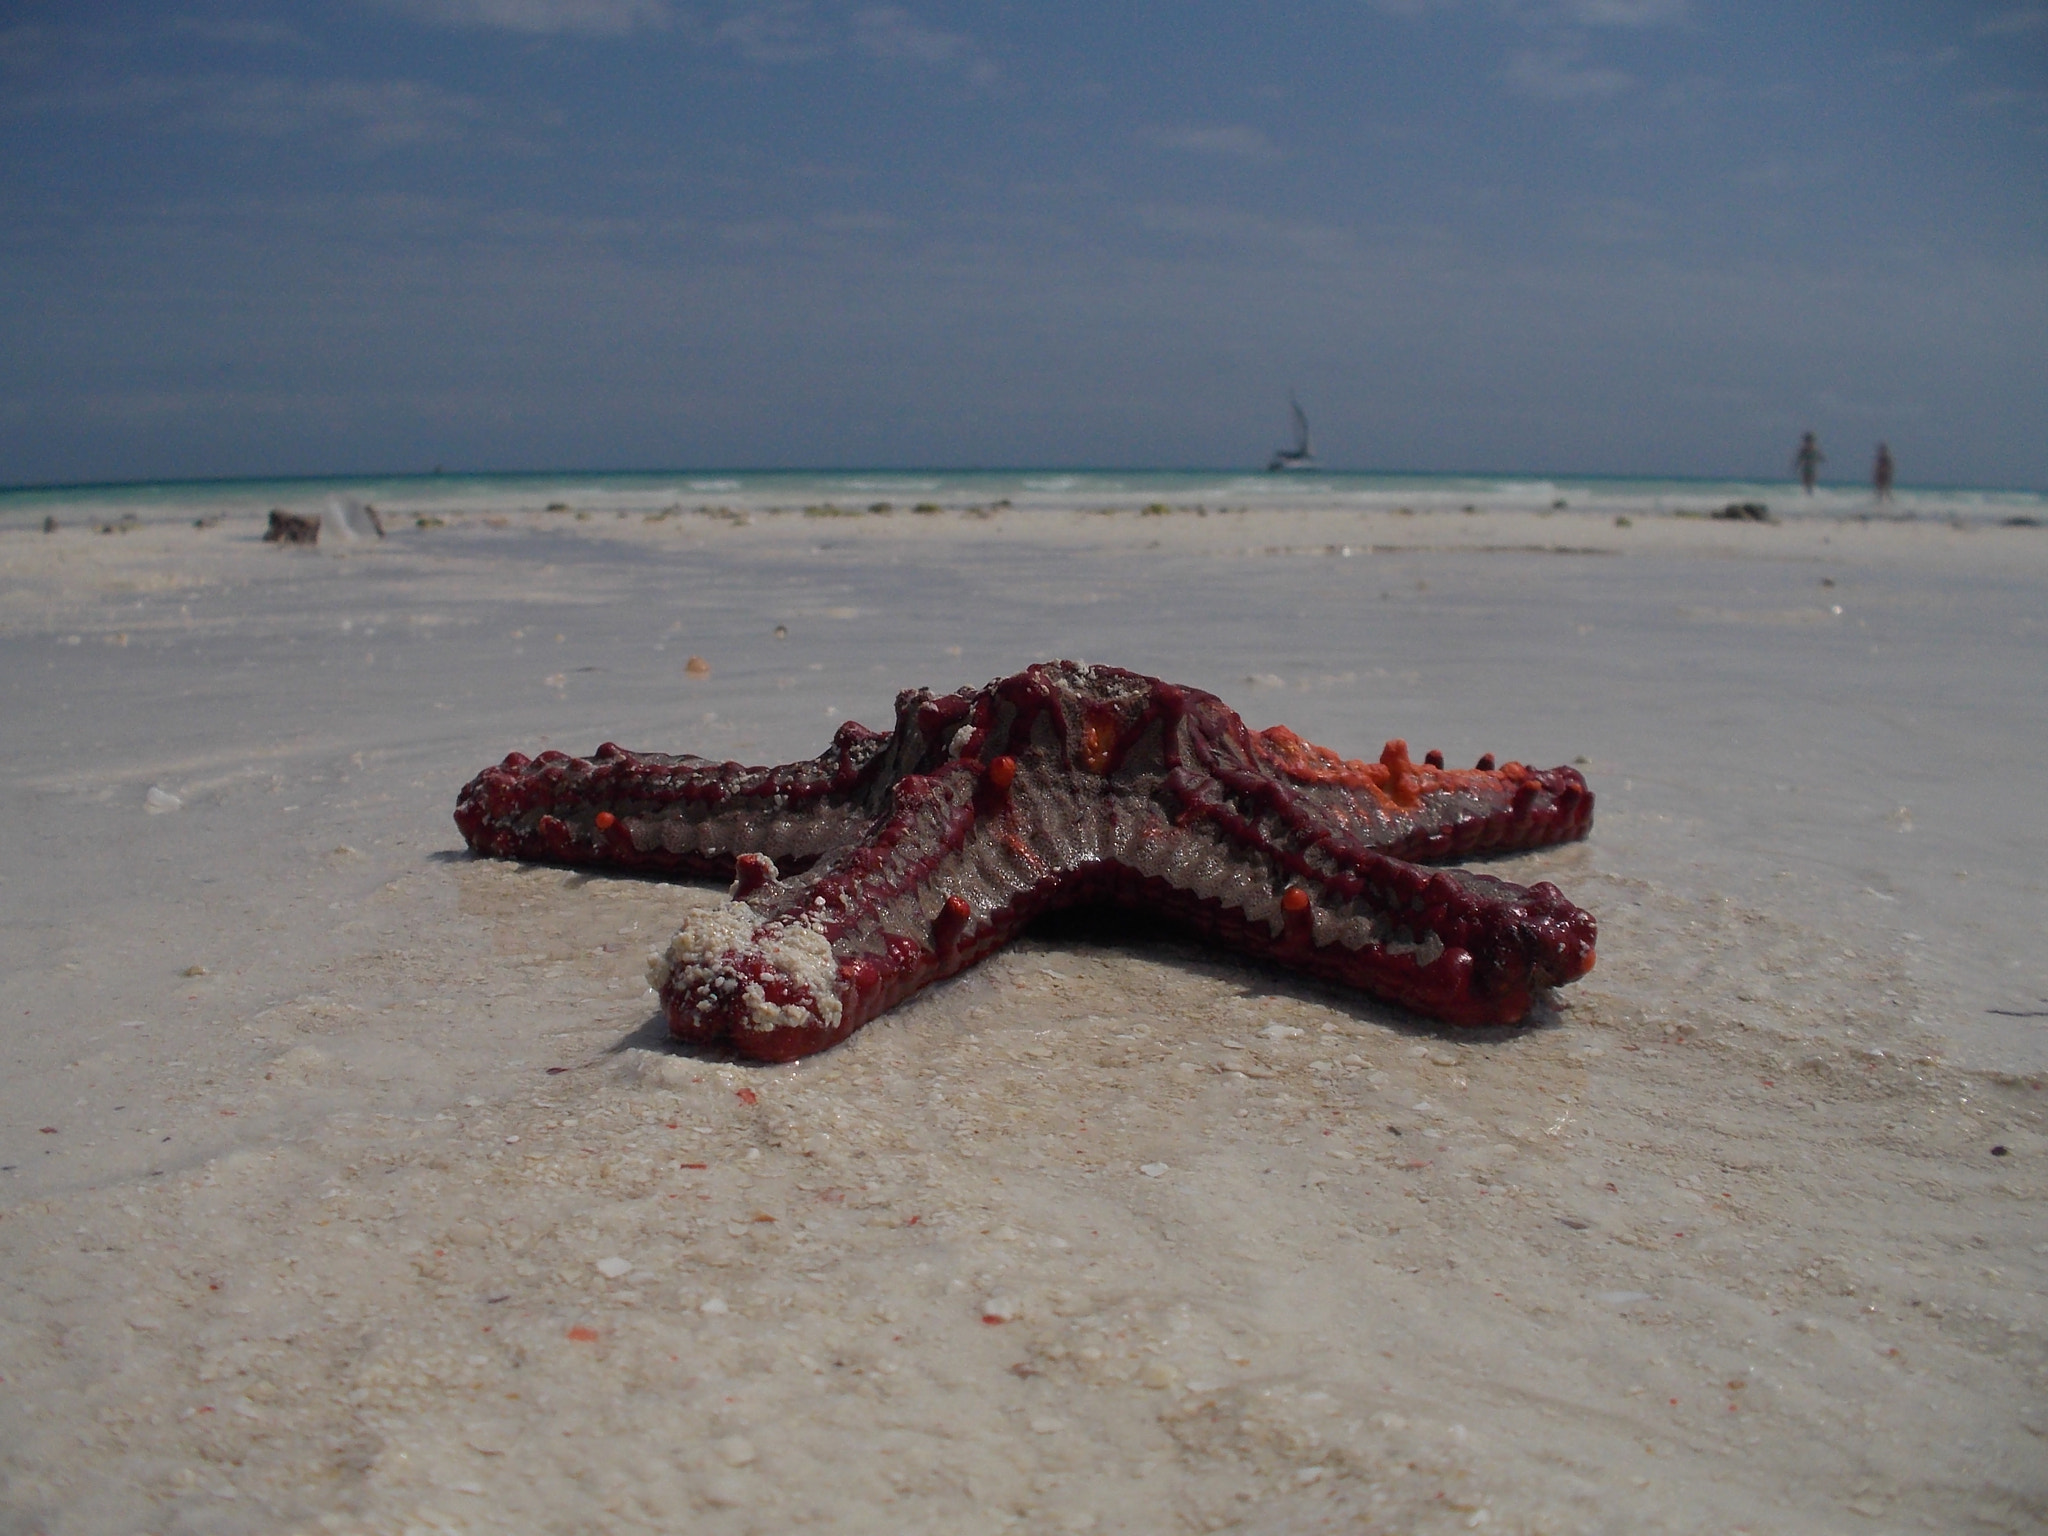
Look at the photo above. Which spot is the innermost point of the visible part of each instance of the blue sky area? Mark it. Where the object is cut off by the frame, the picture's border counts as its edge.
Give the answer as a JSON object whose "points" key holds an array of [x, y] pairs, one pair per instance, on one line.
{"points": [[1593, 236]]}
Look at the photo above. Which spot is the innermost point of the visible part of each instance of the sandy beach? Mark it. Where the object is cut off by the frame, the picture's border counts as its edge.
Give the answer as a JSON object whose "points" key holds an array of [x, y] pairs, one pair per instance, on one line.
{"points": [[350, 1186]]}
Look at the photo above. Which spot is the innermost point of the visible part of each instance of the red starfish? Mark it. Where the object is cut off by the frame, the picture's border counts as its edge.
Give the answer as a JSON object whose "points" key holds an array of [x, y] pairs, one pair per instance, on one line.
{"points": [[930, 847]]}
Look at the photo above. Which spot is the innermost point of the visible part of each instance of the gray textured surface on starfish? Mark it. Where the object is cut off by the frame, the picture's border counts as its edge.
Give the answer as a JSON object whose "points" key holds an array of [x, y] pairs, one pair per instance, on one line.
{"points": [[892, 860]]}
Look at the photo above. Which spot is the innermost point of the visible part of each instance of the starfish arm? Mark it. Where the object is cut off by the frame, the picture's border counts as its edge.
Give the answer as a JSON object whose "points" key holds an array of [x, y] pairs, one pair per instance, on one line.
{"points": [[1460, 948], [653, 813], [650, 812], [1420, 811], [792, 966]]}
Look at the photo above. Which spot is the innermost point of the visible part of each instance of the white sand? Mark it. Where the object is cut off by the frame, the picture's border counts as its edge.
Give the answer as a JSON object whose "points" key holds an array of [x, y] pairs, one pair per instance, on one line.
{"points": [[1097, 1237]]}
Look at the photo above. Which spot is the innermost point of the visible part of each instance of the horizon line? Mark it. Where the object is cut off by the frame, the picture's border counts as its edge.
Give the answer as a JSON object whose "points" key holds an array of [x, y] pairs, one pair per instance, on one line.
{"points": [[440, 473]]}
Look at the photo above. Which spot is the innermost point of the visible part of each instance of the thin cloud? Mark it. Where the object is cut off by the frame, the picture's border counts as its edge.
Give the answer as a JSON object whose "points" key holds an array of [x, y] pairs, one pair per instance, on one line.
{"points": [[590, 18], [759, 233], [1234, 141], [1236, 226], [1617, 221], [1898, 67], [2028, 18], [370, 114], [1786, 175], [375, 114], [791, 32], [1578, 13], [1625, 13], [858, 223], [242, 32], [890, 32], [779, 33], [1995, 98], [1559, 76]]}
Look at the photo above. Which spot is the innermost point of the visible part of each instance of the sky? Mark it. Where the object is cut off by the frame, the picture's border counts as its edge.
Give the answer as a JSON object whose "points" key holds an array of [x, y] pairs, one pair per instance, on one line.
{"points": [[1638, 237]]}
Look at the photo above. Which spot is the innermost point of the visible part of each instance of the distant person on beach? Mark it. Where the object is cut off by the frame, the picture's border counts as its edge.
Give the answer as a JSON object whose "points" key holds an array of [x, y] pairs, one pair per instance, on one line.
{"points": [[1881, 472], [1808, 461]]}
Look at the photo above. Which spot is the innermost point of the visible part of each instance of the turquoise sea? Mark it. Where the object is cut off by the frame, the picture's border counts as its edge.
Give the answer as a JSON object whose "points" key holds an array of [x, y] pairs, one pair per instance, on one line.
{"points": [[1020, 489]]}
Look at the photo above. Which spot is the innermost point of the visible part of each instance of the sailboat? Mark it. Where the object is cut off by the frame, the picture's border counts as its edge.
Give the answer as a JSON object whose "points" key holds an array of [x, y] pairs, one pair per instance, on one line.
{"points": [[1300, 456]]}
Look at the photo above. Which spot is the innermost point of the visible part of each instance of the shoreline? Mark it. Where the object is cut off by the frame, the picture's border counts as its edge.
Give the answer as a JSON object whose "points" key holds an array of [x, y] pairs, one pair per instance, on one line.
{"points": [[886, 493]]}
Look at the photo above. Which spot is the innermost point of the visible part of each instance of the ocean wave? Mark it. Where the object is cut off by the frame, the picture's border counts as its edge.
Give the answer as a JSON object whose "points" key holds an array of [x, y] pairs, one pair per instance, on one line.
{"points": [[901, 487]]}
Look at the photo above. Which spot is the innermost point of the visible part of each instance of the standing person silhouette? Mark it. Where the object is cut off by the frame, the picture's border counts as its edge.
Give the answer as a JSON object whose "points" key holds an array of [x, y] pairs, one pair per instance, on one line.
{"points": [[1808, 461], [1881, 472]]}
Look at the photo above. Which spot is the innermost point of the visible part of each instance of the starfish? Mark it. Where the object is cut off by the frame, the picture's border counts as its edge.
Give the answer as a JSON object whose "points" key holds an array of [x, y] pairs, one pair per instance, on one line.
{"points": [[892, 860]]}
